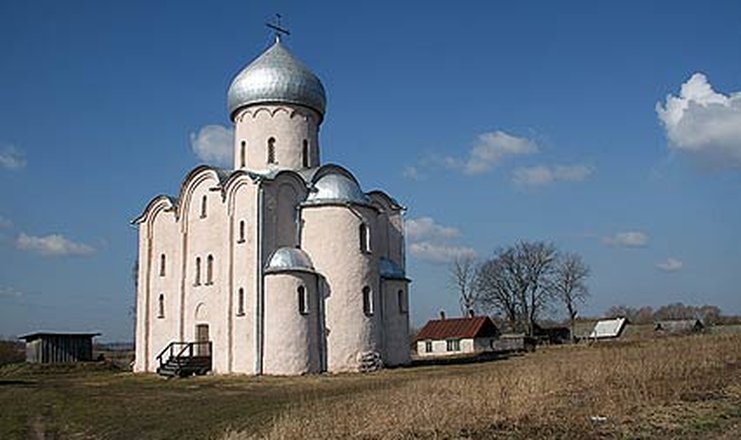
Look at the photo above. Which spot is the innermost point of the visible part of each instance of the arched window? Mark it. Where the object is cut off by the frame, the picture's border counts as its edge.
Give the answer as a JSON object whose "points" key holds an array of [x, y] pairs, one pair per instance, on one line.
{"points": [[240, 302], [305, 155], [367, 301], [198, 271], [303, 301], [271, 150], [241, 232], [161, 306], [364, 235], [203, 207], [210, 269], [163, 262], [400, 297], [243, 154]]}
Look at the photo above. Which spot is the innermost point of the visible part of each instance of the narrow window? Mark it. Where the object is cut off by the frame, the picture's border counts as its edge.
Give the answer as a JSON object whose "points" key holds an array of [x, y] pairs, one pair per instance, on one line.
{"points": [[428, 346], [243, 154], [210, 269], [240, 302], [364, 235], [367, 301], [198, 271], [402, 301], [271, 150], [163, 262], [161, 306], [306, 154], [203, 207], [453, 345], [241, 232], [303, 303]]}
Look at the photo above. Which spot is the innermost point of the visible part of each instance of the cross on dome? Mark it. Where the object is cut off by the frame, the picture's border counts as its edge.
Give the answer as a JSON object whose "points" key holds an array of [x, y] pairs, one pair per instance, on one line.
{"points": [[278, 27]]}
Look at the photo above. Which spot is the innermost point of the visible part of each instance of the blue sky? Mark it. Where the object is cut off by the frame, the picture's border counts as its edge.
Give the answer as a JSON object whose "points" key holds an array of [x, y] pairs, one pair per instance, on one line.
{"points": [[491, 121]]}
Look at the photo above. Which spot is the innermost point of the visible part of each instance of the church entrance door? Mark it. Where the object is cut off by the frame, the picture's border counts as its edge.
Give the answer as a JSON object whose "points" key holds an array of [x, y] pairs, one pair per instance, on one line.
{"points": [[202, 349]]}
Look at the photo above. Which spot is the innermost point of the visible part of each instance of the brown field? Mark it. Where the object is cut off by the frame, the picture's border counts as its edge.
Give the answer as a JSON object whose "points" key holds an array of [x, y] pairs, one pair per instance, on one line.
{"points": [[679, 387]]}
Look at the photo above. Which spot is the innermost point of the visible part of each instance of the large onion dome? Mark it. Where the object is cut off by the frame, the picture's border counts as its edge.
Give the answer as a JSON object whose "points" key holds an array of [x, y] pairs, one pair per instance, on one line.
{"points": [[276, 76]]}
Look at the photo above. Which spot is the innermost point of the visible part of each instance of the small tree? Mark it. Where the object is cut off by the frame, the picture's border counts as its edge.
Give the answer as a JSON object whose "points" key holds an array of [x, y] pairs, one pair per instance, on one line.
{"points": [[569, 284], [463, 280]]}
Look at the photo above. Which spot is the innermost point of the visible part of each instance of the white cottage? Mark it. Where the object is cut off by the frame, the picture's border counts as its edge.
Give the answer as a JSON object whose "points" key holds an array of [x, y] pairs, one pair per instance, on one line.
{"points": [[456, 336], [279, 265]]}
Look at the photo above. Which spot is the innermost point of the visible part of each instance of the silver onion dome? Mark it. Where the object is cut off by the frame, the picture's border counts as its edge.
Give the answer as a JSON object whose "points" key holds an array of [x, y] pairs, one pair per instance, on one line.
{"points": [[288, 258], [276, 76], [335, 187]]}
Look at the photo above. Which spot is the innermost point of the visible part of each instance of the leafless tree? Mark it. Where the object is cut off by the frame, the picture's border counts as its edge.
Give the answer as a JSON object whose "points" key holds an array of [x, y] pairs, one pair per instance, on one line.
{"points": [[500, 282], [515, 282], [462, 278], [569, 283]]}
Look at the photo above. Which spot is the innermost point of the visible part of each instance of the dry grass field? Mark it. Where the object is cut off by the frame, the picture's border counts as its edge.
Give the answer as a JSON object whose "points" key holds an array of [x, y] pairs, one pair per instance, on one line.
{"points": [[681, 387]]}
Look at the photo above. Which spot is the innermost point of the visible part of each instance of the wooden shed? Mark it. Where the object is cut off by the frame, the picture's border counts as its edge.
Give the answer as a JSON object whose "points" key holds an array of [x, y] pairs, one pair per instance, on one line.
{"points": [[56, 348]]}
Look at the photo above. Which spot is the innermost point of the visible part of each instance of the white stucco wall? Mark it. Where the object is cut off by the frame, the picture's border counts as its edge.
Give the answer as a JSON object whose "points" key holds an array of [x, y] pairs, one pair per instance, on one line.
{"points": [[330, 237], [288, 124], [396, 322], [291, 338], [439, 348]]}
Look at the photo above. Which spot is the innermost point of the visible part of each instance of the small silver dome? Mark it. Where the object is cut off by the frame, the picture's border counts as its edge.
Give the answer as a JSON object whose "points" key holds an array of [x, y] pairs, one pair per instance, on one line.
{"points": [[335, 187], [288, 258], [390, 270], [276, 76]]}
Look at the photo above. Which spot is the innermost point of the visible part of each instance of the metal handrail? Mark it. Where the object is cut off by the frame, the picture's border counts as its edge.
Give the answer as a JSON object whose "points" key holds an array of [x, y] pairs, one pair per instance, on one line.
{"points": [[186, 346]]}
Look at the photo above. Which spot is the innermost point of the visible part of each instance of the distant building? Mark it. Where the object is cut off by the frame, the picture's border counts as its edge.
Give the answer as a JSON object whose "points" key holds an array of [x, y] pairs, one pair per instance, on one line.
{"points": [[57, 348], [608, 328], [682, 326], [552, 334], [455, 336]]}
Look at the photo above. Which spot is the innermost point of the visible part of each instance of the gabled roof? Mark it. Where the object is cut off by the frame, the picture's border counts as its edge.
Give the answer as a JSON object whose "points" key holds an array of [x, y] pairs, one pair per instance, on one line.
{"points": [[456, 328]]}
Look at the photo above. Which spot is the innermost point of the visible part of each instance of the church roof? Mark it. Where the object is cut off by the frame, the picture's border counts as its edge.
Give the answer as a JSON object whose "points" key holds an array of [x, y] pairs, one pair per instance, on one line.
{"points": [[273, 77], [390, 270], [288, 258]]}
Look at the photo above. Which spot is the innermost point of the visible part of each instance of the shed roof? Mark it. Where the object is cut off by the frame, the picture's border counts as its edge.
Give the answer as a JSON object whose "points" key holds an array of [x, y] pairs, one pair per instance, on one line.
{"points": [[679, 325], [41, 334], [608, 328], [476, 327]]}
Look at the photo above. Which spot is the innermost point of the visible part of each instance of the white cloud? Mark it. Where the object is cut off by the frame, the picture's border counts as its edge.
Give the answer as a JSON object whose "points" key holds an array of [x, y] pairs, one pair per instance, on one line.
{"points": [[439, 252], [214, 144], [430, 241], [703, 122], [670, 265], [412, 173], [53, 245], [12, 158], [490, 149], [5, 222], [627, 239], [545, 175], [425, 228], [10, 292]]}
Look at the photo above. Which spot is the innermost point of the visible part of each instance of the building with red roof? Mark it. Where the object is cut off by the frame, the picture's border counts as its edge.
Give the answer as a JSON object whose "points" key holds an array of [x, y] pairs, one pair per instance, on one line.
{"points": [[456, 336]]}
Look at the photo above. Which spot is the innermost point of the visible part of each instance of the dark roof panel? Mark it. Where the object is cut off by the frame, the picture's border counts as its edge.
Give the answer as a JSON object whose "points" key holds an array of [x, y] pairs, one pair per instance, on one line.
{"points": [[453, 328]]}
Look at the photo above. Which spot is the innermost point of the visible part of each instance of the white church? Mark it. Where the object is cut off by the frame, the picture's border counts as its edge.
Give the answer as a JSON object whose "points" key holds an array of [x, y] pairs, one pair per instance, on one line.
{"points": [[279, 265]]}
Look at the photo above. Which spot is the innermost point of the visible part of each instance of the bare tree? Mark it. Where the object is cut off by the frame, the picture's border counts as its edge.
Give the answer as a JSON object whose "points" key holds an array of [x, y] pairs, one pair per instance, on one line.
{"points": [[499, 283], [462, 278], [515, 282], [569, 284], [538, 260]]}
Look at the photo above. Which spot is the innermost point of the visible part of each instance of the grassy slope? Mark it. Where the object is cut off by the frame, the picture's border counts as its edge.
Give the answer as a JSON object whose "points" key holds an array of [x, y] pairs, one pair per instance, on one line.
{"points": [[677, 387]]}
